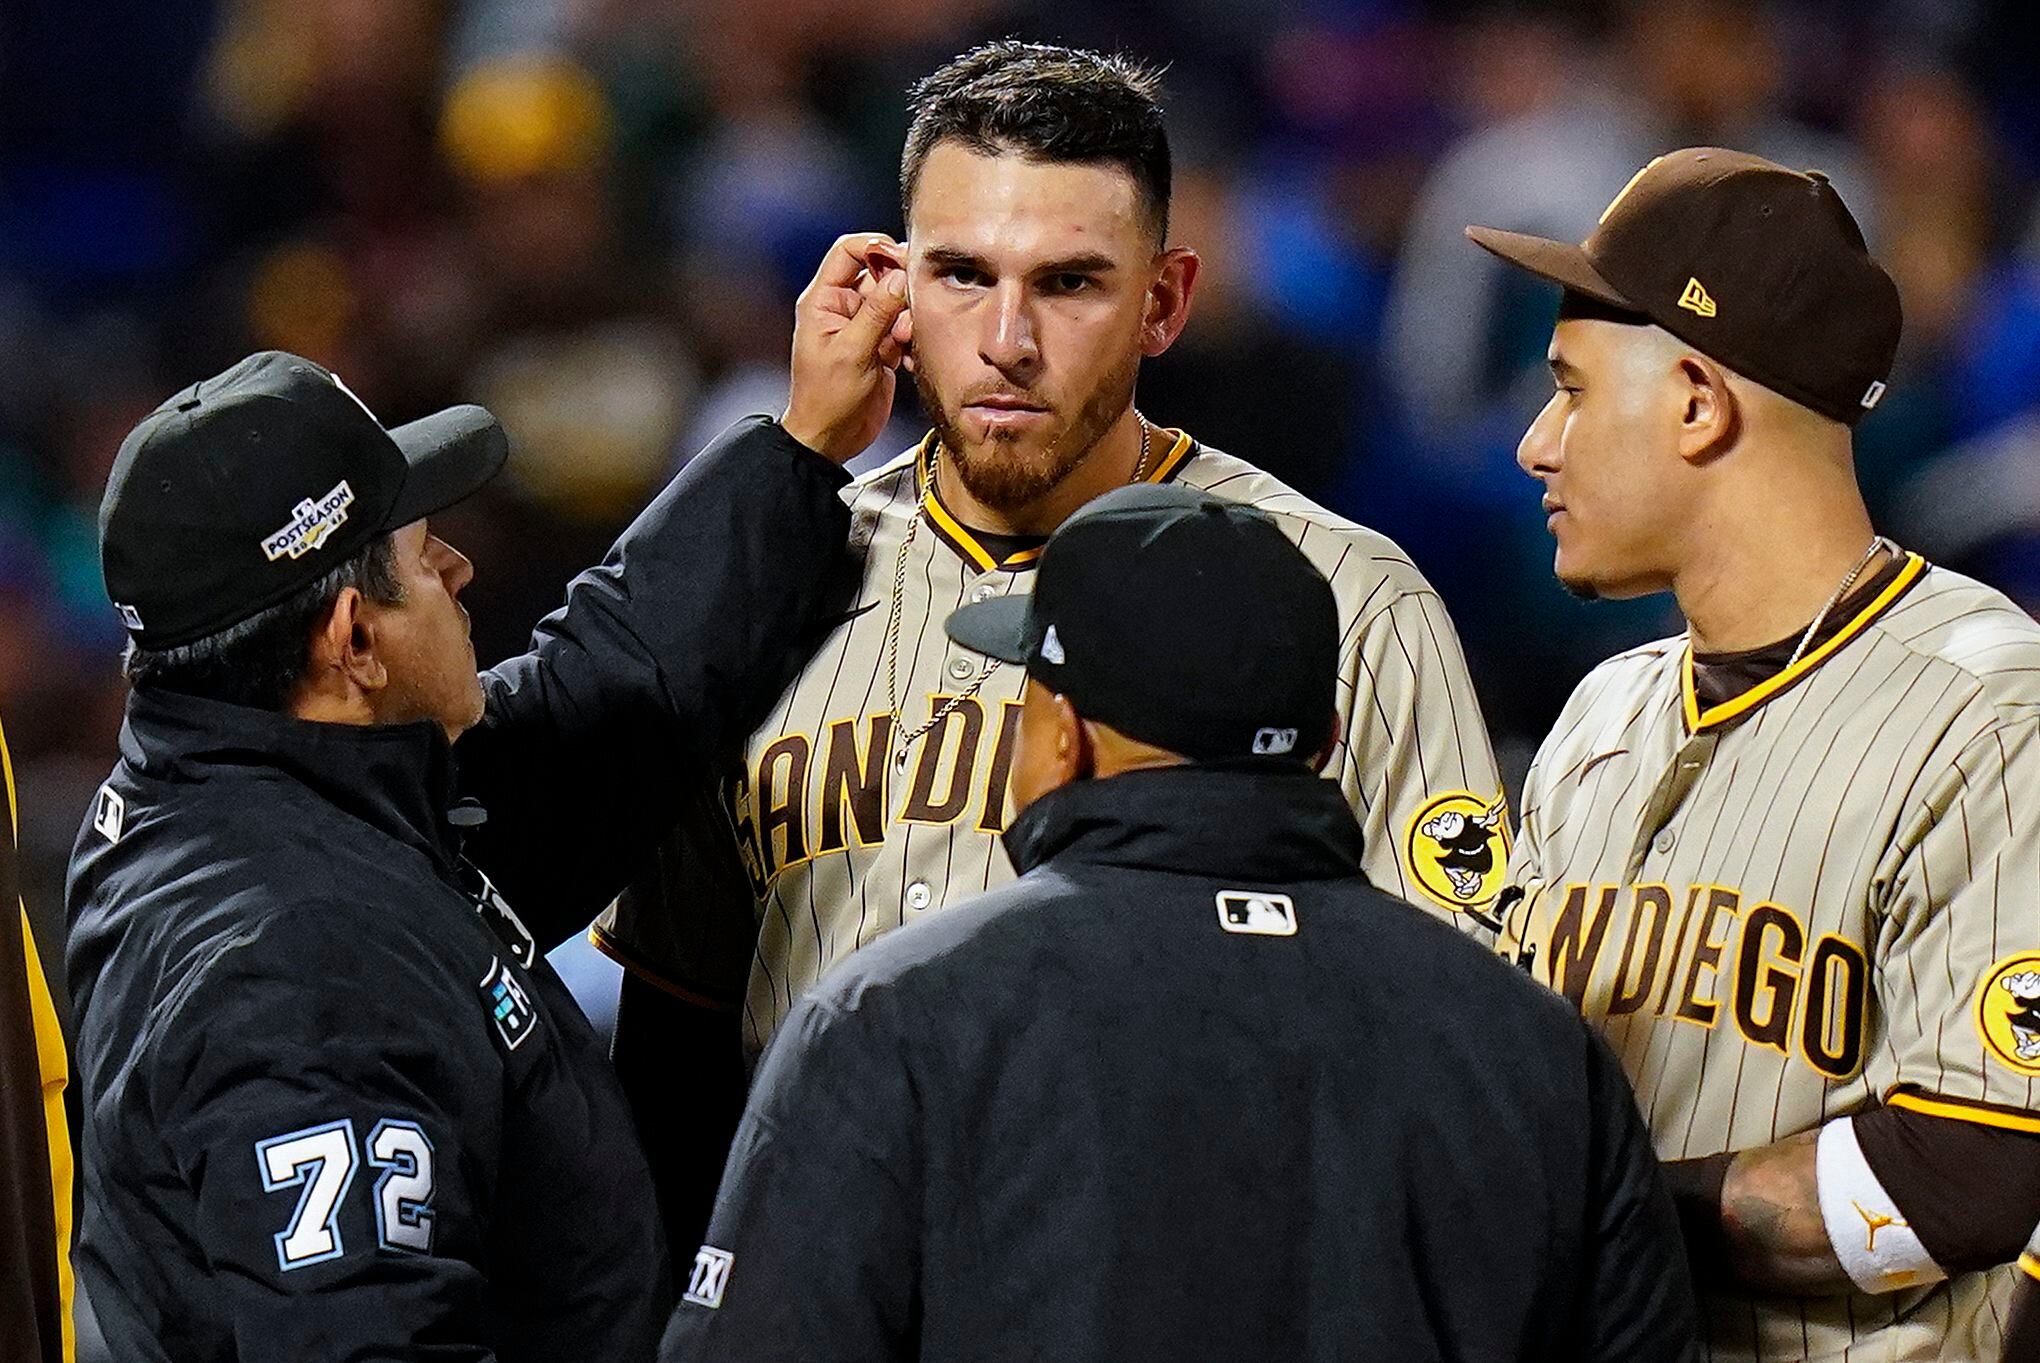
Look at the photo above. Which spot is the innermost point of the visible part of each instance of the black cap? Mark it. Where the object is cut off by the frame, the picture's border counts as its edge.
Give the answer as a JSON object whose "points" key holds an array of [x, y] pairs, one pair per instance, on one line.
{"points": [[1179, 619], [250, 486], [1759, 267]]}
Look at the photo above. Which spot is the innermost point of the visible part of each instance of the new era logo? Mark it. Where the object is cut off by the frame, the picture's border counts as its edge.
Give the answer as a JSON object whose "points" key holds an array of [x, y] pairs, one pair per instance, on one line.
{"points": [[1696, 300], [711, 1275], [1873, 394], [1051, 646], [109, 814], [1257, 914], [131, 617]]}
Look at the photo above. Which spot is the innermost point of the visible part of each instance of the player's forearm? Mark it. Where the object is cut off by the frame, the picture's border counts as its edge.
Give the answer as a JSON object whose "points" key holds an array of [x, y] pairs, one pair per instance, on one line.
{"points": [[1761, 1227], [1771, 1221]]}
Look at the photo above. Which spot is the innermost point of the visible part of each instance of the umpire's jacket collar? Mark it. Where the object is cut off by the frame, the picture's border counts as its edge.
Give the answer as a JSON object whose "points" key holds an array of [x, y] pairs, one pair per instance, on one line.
{"points": [[1227, 820], [397, 778]]}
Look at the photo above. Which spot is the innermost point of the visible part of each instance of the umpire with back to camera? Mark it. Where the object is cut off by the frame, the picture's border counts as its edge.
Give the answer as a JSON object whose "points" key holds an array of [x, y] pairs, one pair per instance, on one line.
{"points": [[1191, 1087], [340, 1105]]}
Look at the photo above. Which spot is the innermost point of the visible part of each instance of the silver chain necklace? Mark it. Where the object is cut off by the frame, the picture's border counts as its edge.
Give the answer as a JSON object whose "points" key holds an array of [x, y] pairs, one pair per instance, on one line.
{"points": [[903, 743], [1876, 542]]}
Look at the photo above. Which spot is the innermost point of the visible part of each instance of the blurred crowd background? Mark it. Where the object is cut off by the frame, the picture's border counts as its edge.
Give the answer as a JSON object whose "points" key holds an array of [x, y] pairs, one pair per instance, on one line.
{"points": [[593, 216]]}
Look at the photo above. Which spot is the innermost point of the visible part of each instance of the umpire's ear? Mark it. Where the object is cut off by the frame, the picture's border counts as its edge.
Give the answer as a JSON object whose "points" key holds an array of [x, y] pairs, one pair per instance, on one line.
{"points": [[344, 666]]}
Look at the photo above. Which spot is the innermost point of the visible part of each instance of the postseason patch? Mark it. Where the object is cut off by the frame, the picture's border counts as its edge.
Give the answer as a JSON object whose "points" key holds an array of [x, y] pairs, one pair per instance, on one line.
{"points": [[509, 1004], [1456, 849], [2008, 1012]]}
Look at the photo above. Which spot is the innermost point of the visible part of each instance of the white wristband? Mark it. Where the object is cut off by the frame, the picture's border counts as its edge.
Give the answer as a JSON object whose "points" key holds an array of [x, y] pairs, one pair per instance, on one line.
{"points": [[1877, 1248]]}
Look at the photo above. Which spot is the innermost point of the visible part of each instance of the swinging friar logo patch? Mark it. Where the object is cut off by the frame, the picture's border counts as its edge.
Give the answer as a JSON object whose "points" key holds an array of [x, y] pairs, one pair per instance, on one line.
{"points": [[1257, 913], [2008, 1012], [1457, 849]]}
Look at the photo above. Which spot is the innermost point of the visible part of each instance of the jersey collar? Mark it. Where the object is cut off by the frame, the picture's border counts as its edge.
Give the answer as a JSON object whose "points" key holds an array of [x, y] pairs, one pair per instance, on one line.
{"points": [[958, 536], [1699, 721]]}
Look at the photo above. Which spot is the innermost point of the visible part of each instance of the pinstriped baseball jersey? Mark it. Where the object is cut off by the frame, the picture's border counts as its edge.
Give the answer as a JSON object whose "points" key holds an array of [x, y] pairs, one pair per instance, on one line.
{"points": [[1820, 895], [842, 842]]}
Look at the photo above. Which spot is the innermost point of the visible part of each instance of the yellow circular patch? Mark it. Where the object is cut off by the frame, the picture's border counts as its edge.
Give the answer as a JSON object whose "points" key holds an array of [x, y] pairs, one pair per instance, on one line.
{"points": [[1456, 849], [2008, 1012]]}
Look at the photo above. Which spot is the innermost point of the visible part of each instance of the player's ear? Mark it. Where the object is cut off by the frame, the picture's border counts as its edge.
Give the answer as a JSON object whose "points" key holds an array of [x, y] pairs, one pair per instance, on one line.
{"points": [[1168, 300], [1711, 418]]}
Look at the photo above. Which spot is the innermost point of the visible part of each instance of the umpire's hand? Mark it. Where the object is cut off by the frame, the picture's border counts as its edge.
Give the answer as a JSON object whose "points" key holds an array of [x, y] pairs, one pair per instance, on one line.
{"points": [[850, 332]]}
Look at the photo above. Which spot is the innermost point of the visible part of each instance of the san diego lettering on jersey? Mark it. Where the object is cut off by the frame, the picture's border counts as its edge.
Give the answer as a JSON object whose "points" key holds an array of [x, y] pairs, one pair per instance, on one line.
{"points": [[1711, 957], [840, 845]]}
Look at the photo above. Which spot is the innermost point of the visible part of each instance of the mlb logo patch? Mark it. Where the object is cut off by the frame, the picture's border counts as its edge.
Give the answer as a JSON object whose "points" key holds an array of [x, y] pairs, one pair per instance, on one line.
{"points": [[1256, 913], [710, 1276], [509, 1005]]}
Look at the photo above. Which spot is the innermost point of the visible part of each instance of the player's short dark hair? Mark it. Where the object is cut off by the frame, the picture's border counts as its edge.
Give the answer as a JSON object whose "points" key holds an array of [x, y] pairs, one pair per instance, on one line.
{"points": [[260, 661], [1048, 103]]}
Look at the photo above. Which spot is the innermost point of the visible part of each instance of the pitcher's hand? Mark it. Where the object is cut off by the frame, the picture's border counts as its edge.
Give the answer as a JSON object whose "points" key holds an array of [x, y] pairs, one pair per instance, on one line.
{"points": [[850, 331]]}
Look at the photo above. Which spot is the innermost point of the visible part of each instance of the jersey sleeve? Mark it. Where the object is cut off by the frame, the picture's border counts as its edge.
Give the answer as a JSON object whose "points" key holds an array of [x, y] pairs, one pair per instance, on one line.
{"points": [[1958, 961], [660, 662], [814, 1250], [335, 1124], [1417, 765]]}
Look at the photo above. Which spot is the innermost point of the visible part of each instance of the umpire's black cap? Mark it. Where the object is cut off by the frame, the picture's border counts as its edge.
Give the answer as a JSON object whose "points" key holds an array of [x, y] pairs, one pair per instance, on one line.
{"points": [[245, 488], [1179, 619]]}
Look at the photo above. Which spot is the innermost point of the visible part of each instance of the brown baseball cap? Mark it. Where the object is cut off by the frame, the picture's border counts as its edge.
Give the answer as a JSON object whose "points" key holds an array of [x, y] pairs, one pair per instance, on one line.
{"points": [[1755, 266]]}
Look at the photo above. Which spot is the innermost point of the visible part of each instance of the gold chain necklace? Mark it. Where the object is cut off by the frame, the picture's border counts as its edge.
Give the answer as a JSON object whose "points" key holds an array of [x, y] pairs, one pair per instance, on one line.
{"points": [[903, 743], [1876, 543]]}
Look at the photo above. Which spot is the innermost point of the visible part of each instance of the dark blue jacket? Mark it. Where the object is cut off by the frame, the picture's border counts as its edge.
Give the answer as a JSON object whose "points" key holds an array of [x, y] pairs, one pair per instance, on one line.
{"points": [[340, 1107], [1188, 1089]]}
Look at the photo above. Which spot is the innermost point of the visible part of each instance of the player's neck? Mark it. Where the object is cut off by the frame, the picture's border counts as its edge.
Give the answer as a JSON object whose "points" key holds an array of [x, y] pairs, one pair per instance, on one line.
{"points": [[1110, 463], [1764, 573]]}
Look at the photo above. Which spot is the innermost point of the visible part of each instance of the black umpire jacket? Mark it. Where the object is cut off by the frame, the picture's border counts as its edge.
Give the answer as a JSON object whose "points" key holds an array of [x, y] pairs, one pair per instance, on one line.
{"points": [[340, 1106], [1188, 1089]]}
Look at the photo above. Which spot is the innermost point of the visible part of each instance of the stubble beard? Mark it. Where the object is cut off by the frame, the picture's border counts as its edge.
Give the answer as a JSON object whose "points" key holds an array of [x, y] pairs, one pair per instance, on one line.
{"points": [[1007, 476]]}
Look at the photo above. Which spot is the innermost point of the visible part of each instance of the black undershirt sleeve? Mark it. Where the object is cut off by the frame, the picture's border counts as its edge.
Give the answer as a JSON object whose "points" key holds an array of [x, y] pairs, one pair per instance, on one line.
{"points": [[1970, 1192]]}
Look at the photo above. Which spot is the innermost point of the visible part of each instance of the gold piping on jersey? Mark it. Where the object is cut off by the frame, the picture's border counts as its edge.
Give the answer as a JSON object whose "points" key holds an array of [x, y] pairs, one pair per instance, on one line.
{"points": [[616, 951], [958, 536], [1963, 1110], [2030, 1264], [1698, 720]]}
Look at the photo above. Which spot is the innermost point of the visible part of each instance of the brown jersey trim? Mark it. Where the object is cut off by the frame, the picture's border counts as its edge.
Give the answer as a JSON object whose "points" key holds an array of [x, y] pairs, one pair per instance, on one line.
{"points": [[623, 956], [1698, 720], [1965, 1110], [959, 536]]}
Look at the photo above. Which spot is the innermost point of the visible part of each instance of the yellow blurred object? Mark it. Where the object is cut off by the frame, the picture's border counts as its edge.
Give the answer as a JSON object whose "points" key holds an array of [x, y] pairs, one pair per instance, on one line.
{"points": [[301, 300], [525, 116]]}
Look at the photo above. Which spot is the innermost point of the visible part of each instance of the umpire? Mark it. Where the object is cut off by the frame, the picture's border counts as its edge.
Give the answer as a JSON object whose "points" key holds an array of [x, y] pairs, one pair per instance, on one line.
{"points": [[1190, 1088], [340, 1106]]}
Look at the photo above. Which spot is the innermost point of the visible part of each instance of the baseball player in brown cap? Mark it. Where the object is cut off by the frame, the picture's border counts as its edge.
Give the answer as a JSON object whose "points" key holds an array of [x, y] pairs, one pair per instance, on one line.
{"points": [[1788, 860]]}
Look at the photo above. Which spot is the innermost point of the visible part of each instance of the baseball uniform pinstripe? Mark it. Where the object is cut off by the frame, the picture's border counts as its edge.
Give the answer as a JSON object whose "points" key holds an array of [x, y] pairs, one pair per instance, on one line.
{"points": [[1809, 899], [841, 844]]}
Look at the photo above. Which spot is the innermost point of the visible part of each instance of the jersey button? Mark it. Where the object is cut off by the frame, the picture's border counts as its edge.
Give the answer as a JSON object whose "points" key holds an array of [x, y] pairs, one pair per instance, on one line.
{"points": [[963, 669], [919, 896], [1665, 839], [984, 591]]}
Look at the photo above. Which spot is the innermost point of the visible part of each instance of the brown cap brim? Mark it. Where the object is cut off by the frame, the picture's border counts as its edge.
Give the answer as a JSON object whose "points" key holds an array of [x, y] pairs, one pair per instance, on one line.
{"points": [[1561, 262]]}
